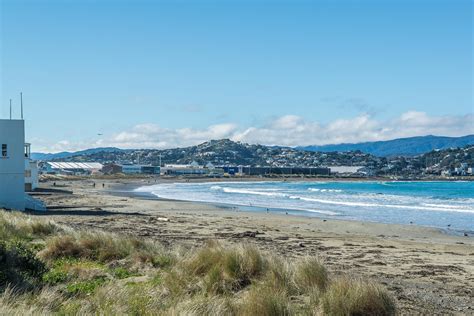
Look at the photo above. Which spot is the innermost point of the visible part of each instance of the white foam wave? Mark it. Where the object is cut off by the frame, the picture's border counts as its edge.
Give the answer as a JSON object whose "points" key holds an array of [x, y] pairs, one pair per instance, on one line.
{"points": [[324, 190], [439, 208], [323, 212], [252, 192], [282, 197]]}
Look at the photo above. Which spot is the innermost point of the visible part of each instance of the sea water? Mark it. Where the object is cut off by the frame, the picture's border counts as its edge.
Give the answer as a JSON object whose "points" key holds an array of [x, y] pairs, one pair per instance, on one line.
{"points": [[447, 205]]}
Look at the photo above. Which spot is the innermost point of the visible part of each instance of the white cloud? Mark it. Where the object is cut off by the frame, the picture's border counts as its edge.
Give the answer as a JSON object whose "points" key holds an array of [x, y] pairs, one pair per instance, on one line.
{"points": [[288, 130]]}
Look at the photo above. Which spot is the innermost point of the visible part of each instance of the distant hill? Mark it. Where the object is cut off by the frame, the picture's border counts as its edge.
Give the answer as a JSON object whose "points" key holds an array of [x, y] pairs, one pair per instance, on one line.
{"points": [[224, 152], [67, 154], [411, 146]]}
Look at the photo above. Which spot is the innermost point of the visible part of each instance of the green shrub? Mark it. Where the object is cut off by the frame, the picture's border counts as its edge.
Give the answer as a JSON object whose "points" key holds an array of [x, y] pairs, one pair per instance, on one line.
{"points": [[102, 247], [85, 287], [226, 269], [280, 276], [310, 273], [264, 301], [43, 228], [19, 266], [55, 276], [347, 296], [121, 273]]}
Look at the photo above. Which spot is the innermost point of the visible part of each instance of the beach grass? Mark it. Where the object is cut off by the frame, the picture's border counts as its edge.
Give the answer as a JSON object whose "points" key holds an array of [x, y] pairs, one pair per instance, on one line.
{"points": [[47, 268]]}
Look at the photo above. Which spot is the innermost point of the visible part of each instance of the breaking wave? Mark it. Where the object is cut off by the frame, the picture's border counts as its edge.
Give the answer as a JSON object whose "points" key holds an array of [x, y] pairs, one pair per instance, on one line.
{"points": [[427, 203]]}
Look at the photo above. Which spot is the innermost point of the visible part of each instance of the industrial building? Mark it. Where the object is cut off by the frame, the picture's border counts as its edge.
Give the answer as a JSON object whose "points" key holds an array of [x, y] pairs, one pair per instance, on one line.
{"points": [[180, 170], [140, 169], [262, 171], [351, 171], [113, 168], [71, 168]]}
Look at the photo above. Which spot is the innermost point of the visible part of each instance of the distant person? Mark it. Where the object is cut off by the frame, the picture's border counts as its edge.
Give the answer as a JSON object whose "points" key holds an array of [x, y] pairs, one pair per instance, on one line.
{"points": [[93, 184], [103, 185]]}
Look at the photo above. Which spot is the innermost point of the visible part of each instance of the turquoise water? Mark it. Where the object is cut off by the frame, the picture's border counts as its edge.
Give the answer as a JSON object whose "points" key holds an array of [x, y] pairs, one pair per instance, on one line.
{"points": [[447, 205]]}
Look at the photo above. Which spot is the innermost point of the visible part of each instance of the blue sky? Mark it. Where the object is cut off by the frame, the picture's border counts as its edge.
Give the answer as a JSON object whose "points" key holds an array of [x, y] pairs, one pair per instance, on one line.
{"points": [[173, 73]]}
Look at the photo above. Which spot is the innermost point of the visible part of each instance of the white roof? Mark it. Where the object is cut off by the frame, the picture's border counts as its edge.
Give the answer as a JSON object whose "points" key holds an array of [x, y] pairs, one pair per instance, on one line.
{"points": [[345, 169], [76, 165]]}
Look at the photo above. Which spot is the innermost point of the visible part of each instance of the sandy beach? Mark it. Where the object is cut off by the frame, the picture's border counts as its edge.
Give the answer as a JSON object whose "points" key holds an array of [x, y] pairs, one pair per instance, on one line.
{"points": [[427, 270]]}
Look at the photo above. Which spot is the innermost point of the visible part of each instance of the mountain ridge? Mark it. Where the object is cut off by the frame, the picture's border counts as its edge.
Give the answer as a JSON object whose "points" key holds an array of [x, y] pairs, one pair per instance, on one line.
{"points": [[408, 146]]}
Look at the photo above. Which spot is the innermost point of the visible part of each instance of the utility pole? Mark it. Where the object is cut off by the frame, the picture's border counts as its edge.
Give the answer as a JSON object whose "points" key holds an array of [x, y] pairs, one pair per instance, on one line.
{"points": [[21, 102]]}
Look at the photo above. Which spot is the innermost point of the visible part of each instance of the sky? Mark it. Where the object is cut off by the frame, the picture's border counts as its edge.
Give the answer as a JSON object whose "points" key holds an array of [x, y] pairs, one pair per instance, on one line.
{"points": [[163, 74]]}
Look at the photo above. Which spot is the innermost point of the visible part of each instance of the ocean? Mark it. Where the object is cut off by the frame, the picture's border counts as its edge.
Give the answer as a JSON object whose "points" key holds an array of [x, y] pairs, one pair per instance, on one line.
{"points": [[446, 205]]}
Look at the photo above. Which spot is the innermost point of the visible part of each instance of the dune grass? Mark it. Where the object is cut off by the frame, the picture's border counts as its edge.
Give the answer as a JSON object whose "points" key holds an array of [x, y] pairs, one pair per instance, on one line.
{"points": [[49, 269]]}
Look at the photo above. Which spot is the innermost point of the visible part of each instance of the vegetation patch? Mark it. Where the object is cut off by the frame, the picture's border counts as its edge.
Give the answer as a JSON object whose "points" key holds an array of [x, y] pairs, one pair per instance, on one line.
{"points": [[81, 273], [85, 287], [347, 296], [19, 266]]}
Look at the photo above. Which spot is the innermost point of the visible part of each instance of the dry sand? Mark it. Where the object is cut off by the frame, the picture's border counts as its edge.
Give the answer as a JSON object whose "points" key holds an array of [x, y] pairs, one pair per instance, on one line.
{"points": [[428, 271]]}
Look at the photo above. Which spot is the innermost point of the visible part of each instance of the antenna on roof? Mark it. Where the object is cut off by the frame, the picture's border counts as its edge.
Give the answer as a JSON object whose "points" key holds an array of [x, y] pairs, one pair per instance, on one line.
{"points": [[10, 109], [21, 102]]}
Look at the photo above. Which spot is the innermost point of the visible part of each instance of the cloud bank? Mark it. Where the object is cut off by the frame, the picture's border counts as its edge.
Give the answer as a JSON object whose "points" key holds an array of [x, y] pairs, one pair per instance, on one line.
{"points": [[288, 130]]}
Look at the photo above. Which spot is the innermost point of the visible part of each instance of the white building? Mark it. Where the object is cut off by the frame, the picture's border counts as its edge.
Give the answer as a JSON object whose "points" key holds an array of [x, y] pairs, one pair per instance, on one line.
{"points": [[31, 170], [12, 164], [346, 169], [71, 168]]}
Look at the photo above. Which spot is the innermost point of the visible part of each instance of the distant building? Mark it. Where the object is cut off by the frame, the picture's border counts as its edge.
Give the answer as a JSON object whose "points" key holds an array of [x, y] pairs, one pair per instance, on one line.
{"points": [[446, 173], [232, 170], [151, 170], [111, 168], [180, 169], [347, 170], [140, 169], [71, 168], [184, 171], [261, 171], [131, 169]]}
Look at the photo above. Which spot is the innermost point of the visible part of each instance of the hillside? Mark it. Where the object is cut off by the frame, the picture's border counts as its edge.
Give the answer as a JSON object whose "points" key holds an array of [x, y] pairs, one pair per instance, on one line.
{"points": [[68, 154], [411, 146], [227, 152]]}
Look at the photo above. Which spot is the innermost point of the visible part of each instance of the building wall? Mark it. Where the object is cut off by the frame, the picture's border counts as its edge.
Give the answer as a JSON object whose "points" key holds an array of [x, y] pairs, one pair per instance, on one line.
{"points": [[31, 175], [12, 167], [131, 169]]}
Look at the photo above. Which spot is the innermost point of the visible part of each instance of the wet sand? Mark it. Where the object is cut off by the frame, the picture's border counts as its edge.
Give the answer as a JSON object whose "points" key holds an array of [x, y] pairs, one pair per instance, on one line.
{"points": [[428, 271]]}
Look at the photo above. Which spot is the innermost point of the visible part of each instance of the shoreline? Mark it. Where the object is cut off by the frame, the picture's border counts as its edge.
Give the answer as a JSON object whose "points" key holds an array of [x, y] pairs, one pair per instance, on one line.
{"points": [[128, 189]]}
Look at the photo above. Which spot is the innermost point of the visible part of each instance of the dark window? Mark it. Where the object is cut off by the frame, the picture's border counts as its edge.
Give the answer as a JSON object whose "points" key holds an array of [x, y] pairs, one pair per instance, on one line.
{"points": [[4, 150]]}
